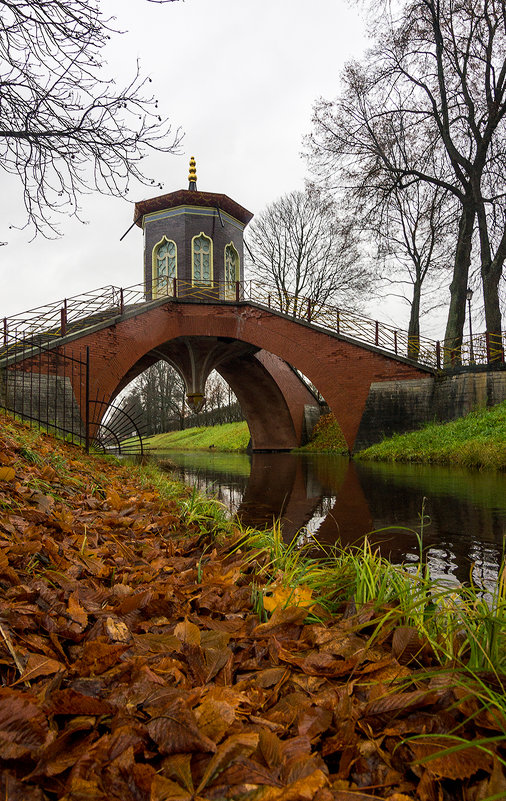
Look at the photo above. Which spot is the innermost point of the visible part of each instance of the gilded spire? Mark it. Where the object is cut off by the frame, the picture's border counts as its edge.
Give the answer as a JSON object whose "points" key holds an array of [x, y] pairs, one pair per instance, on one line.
{"points": [[192, 176]]}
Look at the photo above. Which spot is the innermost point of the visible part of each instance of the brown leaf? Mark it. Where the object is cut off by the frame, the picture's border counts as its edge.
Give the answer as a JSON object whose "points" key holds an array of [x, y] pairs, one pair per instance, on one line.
{"points": [[235, 746], [163, 789], [76, 611], [351, 795], [407, 646], [178, 767], [187, 632], [97, 657], [12, 789], [214, 718], [23, 725], [304, 789], [314, 721], [397, 701], [177, 732], [117, 631], [270, 746], [71, 702], [280, 618], [39, 665], [433, 755]]}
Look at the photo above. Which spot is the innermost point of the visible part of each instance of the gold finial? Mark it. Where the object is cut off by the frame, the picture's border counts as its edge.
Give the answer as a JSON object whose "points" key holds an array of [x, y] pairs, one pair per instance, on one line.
{"points": [[192, 176]]}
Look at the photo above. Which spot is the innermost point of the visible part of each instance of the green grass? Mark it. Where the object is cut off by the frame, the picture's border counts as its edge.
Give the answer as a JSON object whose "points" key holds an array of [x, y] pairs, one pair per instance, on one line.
{"points": [[327, 437], [477, 440], [459, 626], [226, 437]]}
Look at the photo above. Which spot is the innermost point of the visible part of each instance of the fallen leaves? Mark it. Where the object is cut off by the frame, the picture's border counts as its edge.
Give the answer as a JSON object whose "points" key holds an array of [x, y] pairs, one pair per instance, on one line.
{"points": [[7, 473], [134, 669]]}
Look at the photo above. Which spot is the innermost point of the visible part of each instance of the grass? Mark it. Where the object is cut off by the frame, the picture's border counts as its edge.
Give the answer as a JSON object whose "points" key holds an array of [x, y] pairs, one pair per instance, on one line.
{"points": [[327, 437], [477, 441], [227, 437], [459, 626]]}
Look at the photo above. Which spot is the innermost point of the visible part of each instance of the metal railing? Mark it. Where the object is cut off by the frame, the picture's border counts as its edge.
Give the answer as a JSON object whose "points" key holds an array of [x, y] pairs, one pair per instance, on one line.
{"points": [[53, 321], [49, 389]]}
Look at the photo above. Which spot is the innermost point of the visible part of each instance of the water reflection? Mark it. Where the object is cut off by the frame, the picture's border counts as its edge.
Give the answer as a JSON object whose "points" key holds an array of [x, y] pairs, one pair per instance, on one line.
{"points": [[462, 513]]}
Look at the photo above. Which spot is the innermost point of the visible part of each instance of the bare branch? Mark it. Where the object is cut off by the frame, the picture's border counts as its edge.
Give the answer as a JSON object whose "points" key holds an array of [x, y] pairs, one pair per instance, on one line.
{"points": [[65, 127]]}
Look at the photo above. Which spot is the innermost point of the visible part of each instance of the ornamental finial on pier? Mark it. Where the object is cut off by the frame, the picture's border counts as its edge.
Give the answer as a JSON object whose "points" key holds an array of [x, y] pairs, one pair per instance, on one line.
{"points": [[192, 176]]}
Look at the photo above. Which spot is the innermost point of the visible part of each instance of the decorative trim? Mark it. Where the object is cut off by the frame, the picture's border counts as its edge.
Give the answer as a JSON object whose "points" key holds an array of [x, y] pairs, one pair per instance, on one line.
{"points": [[196, 211]]}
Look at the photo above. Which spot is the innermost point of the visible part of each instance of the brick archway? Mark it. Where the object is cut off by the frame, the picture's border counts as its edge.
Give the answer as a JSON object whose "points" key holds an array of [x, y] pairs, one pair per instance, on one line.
{"points": [[341, 369], [272, 398]]}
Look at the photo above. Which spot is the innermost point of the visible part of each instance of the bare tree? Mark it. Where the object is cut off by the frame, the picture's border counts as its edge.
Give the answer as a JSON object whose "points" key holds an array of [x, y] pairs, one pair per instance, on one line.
{"points": [[436, 83], [301, 245], [414, 229], [64, 126], [158, 397]]}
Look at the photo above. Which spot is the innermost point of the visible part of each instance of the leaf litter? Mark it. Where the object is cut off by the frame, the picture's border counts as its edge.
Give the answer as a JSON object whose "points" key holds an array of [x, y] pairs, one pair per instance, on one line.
{"points": [[135, 670]]}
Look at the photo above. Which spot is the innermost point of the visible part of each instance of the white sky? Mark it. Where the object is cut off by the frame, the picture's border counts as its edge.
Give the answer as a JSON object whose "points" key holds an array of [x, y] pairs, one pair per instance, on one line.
{"points": [[240, 78]]}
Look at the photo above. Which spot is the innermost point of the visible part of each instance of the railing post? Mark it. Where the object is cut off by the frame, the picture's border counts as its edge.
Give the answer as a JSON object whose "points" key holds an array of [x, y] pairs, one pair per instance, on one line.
{"points": [[338, 321], [237, 292], [395, 342], [174, 287], [487, 341], [309, 310], [376, 333], [438, 354], [121, 301], [5, 330], [63, 319], [87, 402]]}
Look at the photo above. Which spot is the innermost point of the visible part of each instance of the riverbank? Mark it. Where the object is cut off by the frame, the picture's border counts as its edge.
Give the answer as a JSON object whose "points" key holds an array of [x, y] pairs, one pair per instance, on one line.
{"points": [[152, 649], [476, 441], [228, 437], [234, 437]]}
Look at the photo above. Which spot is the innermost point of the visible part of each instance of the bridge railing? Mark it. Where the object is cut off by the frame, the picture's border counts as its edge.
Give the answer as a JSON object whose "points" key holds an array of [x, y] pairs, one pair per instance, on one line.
{"points": [[58, 319]]}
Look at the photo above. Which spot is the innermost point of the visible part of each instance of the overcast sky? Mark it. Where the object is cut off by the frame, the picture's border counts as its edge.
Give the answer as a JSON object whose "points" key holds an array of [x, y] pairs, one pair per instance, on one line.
{"points": [[240, 78]]}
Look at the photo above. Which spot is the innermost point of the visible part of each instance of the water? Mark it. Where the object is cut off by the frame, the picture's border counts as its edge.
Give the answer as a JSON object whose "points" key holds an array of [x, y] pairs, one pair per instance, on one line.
{"points": [[463, 512]]}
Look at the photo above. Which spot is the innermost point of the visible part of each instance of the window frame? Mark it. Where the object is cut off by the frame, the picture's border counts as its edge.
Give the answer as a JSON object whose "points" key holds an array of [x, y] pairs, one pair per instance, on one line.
{"points": [[200, 282], [154, 268]]}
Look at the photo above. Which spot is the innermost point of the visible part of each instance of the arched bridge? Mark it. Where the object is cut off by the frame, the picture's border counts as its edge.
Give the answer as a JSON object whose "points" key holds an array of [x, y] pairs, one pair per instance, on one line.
{"points": [[252, 334]]}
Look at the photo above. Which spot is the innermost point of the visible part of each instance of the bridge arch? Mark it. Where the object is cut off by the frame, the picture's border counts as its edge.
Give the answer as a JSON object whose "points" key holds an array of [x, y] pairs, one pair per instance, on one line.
{"points": [[341, 369], [272, 397]]}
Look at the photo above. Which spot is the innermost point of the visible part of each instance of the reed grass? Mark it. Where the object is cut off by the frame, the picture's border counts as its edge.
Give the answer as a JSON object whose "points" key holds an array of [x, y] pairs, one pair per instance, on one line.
{"points": [[462, 626]]}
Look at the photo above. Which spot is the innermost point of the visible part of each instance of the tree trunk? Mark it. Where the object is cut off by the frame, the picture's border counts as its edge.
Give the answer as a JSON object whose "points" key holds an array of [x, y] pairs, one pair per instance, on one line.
{"points": [[458, 287], [414, 322], [490, 279]]}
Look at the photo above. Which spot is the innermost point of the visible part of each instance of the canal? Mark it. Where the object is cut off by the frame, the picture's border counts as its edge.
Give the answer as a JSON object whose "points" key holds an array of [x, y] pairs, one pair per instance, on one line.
{"points": [[461, 514]]}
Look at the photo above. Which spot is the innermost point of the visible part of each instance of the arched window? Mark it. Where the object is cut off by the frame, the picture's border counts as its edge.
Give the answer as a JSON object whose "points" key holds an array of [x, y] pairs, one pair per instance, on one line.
{"points": [[202, 260], [164, 266], [231, 270]]}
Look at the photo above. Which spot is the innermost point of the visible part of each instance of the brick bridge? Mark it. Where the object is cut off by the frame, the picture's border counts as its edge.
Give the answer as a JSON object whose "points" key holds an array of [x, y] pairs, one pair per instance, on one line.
{"points": [[252, 346]]}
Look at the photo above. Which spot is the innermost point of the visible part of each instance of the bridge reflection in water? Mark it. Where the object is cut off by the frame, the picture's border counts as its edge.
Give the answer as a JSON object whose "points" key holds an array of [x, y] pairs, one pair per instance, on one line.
{"points": [[337, 500]]}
